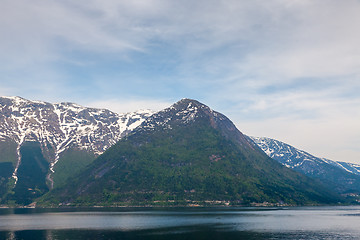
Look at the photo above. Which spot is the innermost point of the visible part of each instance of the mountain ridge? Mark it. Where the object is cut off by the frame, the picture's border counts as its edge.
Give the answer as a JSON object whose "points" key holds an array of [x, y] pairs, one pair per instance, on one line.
{"points": [[64, 131], [278, 152], [343, 177], [186, 154], [63, 139]]}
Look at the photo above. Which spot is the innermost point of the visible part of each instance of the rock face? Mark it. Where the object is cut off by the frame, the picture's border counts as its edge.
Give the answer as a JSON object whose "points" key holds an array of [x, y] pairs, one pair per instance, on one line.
{"points": [[340, 176], [187, 154], [63, 131]]}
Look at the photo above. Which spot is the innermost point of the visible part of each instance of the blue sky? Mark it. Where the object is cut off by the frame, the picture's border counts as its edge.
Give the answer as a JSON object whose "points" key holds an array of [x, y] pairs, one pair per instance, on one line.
{"points": [[279, 68]]}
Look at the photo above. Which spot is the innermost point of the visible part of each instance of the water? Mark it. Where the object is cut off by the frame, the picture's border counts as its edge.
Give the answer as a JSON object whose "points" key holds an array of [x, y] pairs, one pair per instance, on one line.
{"points": [[181, 223]]}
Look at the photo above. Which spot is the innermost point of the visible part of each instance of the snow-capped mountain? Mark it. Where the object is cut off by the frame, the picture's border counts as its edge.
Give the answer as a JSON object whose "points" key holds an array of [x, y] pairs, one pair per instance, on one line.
{"points": [[187, 153], [186, 112], [42, 145], [349, 167], [346, 176], [296, 158], [59, 127]]}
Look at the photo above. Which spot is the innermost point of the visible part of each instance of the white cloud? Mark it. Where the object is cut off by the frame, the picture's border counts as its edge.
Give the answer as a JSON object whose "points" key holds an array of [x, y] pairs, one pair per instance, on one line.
{"points": [[322, 125], [290, 69], [272, 38], [320, 40], [335, 138]]}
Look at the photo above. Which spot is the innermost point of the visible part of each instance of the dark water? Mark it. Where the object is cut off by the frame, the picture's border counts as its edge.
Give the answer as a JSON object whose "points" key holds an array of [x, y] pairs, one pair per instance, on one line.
{"points": [[198, 223]]}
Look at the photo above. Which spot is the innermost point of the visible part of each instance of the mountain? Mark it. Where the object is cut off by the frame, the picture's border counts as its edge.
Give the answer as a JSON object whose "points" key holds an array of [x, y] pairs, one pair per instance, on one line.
{"points": [[42, 144], [340, 176], [187, 154]]}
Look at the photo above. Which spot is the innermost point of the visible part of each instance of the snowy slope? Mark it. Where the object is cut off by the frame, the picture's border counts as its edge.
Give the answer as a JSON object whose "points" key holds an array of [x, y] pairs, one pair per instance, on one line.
{"points": [[61, 126], [295, 158], [341, 176]]}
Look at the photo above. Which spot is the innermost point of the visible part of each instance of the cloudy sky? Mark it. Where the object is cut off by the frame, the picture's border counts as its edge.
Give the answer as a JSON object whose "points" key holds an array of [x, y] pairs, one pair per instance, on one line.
{"points": [[285, 69]]}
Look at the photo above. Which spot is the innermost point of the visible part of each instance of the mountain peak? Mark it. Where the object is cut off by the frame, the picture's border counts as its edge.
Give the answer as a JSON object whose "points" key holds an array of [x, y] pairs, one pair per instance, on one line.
{"points": [[189, 104], [182, 112], [187, 112], [15, 99], [187, 101]]}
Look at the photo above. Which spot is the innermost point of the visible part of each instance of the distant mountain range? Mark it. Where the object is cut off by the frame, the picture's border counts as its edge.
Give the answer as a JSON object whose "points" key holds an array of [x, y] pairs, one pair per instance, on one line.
{"points": [[340, 176], [186, 154]]}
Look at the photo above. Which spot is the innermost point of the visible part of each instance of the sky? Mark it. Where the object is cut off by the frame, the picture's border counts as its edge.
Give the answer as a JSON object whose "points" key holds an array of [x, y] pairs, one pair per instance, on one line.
{"points": [[285, 69]]}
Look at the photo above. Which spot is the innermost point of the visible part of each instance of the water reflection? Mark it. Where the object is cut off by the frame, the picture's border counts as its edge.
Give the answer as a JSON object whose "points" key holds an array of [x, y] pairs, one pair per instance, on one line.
{"points": [[223, 223]]}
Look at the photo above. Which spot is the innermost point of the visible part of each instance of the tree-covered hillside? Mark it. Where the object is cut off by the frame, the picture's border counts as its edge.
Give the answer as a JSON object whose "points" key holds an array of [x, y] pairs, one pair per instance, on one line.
{"points": [[185, 154]]}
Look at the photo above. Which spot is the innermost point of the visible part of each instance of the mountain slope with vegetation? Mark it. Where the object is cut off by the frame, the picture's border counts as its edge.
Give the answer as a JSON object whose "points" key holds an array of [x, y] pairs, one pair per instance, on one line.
{"points": [[187, 154]]}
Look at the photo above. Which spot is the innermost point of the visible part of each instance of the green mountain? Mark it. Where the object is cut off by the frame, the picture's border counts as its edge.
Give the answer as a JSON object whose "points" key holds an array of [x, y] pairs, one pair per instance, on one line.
{"points": [[187, 154]]}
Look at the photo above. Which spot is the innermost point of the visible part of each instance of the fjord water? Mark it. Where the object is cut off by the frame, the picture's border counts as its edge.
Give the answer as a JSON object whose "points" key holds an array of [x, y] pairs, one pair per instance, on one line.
{"points": [[182, 223]]}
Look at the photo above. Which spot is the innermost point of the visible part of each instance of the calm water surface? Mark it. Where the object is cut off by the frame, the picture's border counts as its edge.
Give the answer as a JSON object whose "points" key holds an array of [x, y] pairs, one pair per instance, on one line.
{"points": [[180, 223]]}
